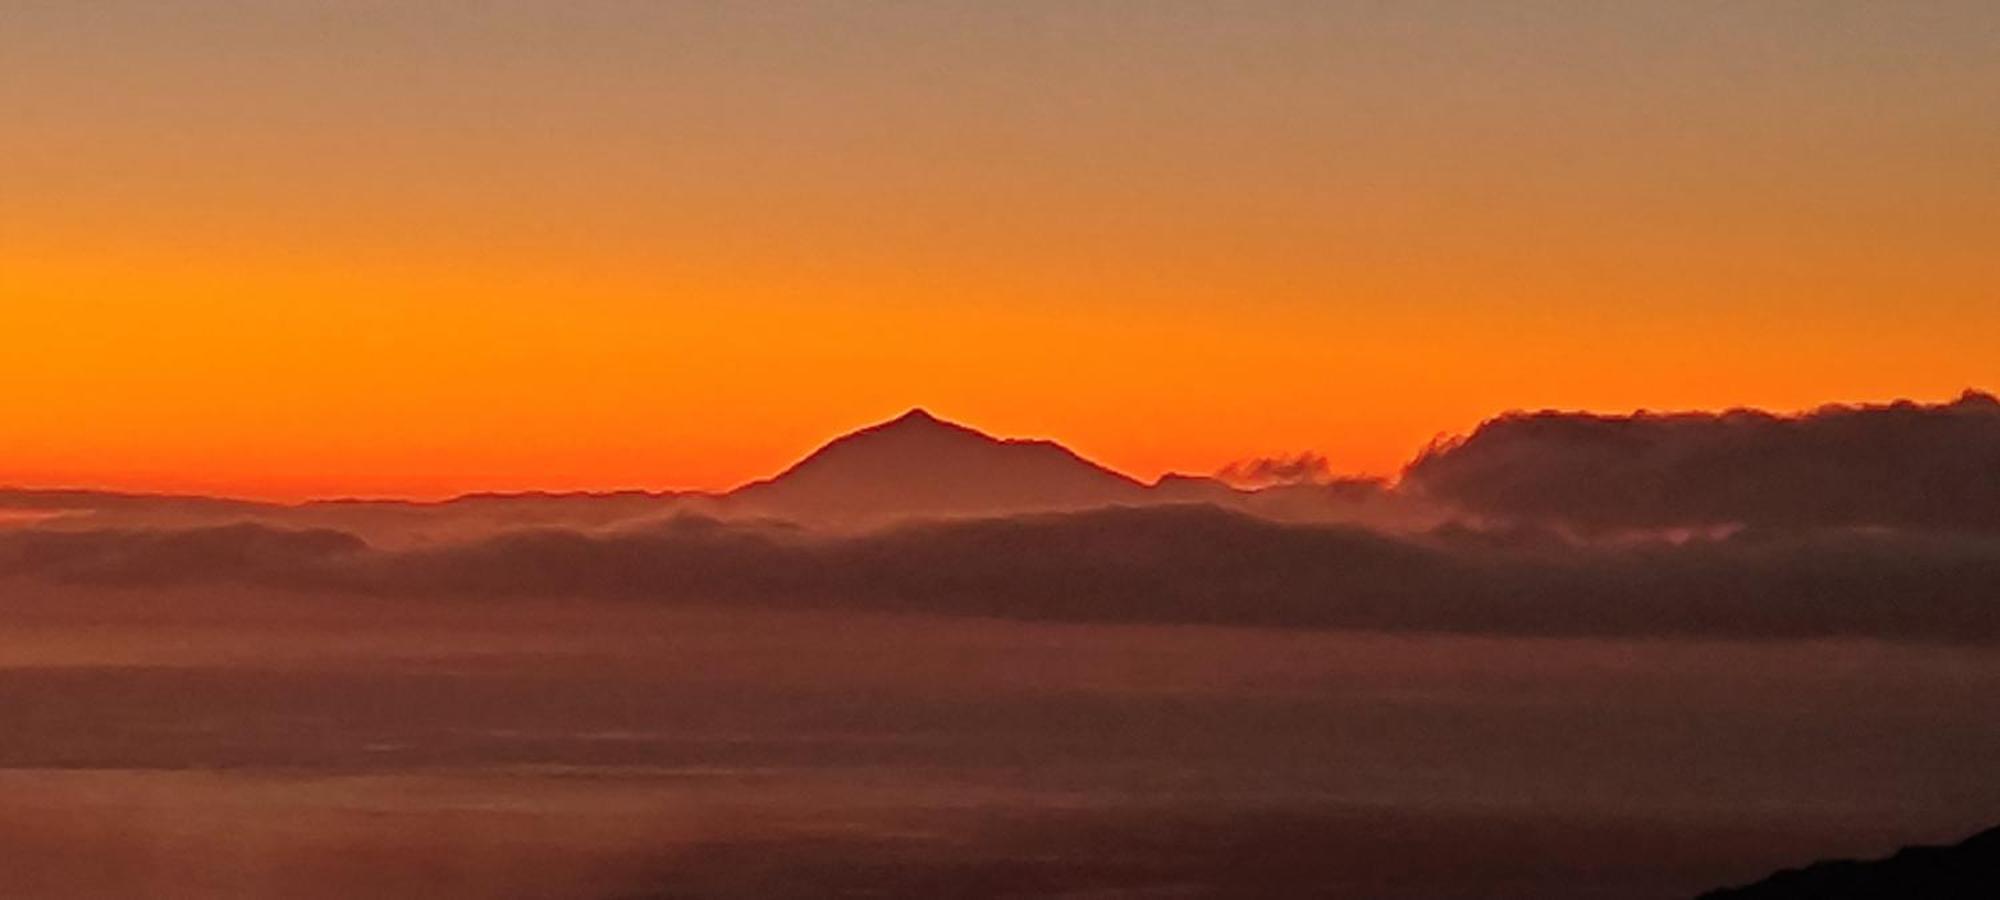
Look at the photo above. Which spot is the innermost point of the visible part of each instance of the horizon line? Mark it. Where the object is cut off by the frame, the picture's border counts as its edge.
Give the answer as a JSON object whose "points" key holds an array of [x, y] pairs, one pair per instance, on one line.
{"points": [[922, 413]]}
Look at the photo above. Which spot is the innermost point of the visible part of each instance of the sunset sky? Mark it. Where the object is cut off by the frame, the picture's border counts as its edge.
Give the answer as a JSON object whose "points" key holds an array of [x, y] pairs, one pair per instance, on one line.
{"points": [[293, 249]]}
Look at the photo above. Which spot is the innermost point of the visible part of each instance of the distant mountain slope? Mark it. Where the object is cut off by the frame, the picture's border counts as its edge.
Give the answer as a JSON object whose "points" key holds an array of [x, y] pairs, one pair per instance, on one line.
{"points": [[920, 465], [1966, 871], [915, 466]]}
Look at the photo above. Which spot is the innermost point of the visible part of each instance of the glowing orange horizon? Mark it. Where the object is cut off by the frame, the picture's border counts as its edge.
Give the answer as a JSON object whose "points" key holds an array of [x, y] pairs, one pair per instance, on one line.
{"points": [[416, 484], [234, 261]]}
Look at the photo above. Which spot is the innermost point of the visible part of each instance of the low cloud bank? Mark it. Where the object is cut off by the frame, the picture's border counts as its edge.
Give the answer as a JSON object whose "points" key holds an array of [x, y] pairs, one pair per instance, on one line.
{"points": [[1902, 465], [1175, 564], [163, 557]]}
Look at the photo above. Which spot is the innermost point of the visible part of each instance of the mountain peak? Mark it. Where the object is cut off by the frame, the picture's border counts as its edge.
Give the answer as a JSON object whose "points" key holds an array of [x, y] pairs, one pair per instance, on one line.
{"points": [[919, 464], [916, 421], [917, 424]]}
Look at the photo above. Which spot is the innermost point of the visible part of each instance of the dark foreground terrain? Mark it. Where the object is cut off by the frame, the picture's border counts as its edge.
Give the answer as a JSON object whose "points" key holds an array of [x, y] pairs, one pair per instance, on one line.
{"points": [[1969, 870]]}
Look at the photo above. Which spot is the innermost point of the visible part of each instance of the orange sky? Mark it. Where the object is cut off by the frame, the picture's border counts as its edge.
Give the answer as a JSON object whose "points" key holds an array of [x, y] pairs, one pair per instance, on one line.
{"points": [[410, 249]]}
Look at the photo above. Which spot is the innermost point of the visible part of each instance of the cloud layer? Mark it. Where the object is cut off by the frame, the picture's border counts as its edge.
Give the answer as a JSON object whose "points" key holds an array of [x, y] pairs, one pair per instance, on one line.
{"points": [[1876, 521], [1903, 465], [1192, 565]]}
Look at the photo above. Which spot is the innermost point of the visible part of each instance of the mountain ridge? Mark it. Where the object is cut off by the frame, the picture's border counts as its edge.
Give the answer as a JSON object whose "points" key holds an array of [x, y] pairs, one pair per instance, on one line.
{"points": [[1968, 870]]}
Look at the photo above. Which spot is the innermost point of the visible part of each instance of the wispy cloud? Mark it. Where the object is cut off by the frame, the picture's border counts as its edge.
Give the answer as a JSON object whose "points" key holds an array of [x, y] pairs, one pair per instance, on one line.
{"points": [[1264, 471]]}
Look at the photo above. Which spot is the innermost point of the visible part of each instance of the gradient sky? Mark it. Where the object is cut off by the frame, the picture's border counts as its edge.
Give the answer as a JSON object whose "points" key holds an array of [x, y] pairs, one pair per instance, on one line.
{"points": [[292, 249]]}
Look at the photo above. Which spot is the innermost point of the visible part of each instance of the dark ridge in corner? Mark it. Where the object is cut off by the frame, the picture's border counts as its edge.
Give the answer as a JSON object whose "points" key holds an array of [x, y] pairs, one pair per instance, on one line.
{"points": [[1969, 870]]}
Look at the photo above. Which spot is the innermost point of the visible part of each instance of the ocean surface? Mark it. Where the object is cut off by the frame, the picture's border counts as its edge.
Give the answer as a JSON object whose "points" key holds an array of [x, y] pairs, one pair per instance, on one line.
{"points": [[225, 744]]}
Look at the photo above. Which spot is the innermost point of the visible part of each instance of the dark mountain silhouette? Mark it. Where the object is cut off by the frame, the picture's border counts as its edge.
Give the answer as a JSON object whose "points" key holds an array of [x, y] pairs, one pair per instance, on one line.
{"points": [[69, 500], [919, 465], [1966, 871]]}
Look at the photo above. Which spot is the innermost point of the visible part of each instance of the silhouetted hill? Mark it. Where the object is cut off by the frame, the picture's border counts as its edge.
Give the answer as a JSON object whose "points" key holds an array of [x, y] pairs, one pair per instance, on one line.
{"points": [[1964, 871], [920, 465], [84, 500]]}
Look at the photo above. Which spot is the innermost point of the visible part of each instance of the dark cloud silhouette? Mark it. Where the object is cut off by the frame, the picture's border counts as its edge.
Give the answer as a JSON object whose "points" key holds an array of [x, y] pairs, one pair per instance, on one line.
{"points": [[1904, 465], [1169, 564], [1305, 468]]}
